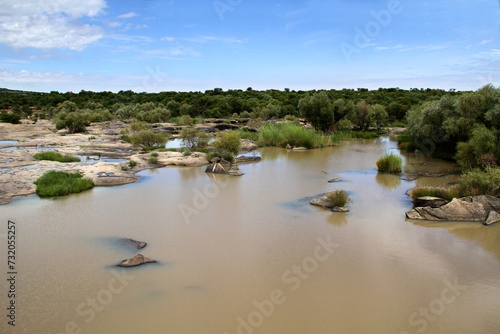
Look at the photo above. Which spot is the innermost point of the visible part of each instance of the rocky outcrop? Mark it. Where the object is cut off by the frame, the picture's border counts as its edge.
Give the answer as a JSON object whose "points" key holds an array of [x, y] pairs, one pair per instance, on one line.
{"points": [[137, 260], [224, 126], [433, 202], [476, 209], [493, 217], [247, 146], [216, 168], [245, 159], [414, 176]]}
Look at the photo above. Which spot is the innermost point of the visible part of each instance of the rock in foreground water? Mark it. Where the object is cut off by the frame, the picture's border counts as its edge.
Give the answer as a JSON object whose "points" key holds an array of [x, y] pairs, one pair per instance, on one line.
{"points": [[137, 260]]}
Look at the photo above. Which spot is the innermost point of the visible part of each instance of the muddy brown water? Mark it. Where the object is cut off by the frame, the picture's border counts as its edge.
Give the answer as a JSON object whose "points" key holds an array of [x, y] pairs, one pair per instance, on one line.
{"points": [[250, 255]]}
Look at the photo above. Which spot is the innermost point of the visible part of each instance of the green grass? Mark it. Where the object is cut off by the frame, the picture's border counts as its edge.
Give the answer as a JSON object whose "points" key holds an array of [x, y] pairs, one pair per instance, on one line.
{"points": [[154, 154], [339, 135], [152, 160], [390, 163], [132, 163], [57, 183], [472, 183], [398, 125], [283, 134], [365, 134], [441, 192], [338, 198], [55, 156], [245, 134]]}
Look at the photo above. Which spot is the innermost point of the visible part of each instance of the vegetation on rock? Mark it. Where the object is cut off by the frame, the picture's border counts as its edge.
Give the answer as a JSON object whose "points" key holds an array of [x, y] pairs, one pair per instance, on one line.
{"points": [[57, 183]]}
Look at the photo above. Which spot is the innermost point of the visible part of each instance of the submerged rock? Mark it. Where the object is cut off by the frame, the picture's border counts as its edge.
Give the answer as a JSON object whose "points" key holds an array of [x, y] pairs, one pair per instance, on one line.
{"points": [[323, 201], [235, 171], [340, 209], [476, 208], [335, 180], [137, 260], [247, 159], [216, 168], [433, 202], [134, 243]]}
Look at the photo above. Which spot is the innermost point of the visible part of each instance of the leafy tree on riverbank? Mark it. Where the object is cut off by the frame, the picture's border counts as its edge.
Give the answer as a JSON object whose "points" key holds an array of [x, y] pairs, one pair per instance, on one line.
{"points": [[464, 128], [318, 110]]}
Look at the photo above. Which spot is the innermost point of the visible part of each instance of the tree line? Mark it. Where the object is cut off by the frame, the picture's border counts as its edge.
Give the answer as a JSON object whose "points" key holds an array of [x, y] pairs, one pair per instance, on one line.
{"points": [[156, 107]]}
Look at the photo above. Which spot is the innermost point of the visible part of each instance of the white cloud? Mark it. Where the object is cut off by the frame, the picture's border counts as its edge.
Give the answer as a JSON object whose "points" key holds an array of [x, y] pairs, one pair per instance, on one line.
{"points": [[49, 25], [128, 15], [204, 39]]}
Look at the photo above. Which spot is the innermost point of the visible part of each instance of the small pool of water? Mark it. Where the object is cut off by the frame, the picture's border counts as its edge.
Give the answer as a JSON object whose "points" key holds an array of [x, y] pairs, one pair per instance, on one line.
{"points": [[3, 142], [96, 159], [28, 147], [176, 143]]}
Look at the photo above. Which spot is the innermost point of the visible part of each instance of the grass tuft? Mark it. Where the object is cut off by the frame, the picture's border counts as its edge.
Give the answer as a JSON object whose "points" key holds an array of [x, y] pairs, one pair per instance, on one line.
{"points": [[55, 156], [57, 183], [338, 198], [390, 163]]}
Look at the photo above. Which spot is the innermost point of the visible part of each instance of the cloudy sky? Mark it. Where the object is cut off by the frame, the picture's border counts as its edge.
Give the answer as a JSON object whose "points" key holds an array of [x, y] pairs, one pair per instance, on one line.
{"points": [[194, 45]]}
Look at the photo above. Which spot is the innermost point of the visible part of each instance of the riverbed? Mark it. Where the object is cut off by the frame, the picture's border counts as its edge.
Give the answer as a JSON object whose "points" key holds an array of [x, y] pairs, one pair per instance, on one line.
{"points": [[250, 255]]}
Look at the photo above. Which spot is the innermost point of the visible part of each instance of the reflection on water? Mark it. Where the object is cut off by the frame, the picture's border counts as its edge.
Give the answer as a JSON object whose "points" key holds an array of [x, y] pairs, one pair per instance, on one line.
{"points": [[389, 181], [225, 244]]}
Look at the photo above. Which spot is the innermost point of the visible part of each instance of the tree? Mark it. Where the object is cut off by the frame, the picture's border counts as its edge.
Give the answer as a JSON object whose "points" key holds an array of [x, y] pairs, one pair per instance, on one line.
{"points": [[361, 117], [227, 145], [193, 138], [318, 110], [378, 115]]}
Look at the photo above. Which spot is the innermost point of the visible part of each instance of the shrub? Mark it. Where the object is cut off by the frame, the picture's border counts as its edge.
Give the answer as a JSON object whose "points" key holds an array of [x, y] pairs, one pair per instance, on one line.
{"points": [[227, 142], [55, 156], [57, 183], [10, 118], [132, 163], [138, 126], [338, 198], [153, 159], [481, 182], [193, 138], [148, 138], [390, 163], [154, 154], [185, 120], [91, 137]]}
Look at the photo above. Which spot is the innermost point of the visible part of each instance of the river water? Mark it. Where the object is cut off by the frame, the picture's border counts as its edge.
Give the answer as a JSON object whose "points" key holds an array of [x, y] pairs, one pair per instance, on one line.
{"points": [[250, 255]]}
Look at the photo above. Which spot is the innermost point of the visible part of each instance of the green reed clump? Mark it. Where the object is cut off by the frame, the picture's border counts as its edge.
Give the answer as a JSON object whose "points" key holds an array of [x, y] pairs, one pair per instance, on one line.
{"points": [[57, 183], [390, 163], [55, 156], [338, 197]]}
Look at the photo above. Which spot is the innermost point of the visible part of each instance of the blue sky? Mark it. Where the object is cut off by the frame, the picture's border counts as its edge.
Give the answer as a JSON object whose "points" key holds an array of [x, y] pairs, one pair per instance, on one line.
{"points": [[194, 45]]}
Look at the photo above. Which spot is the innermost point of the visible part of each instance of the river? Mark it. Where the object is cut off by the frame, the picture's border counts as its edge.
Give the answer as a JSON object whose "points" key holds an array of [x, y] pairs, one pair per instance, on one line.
{"points": [[250, 255]]}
